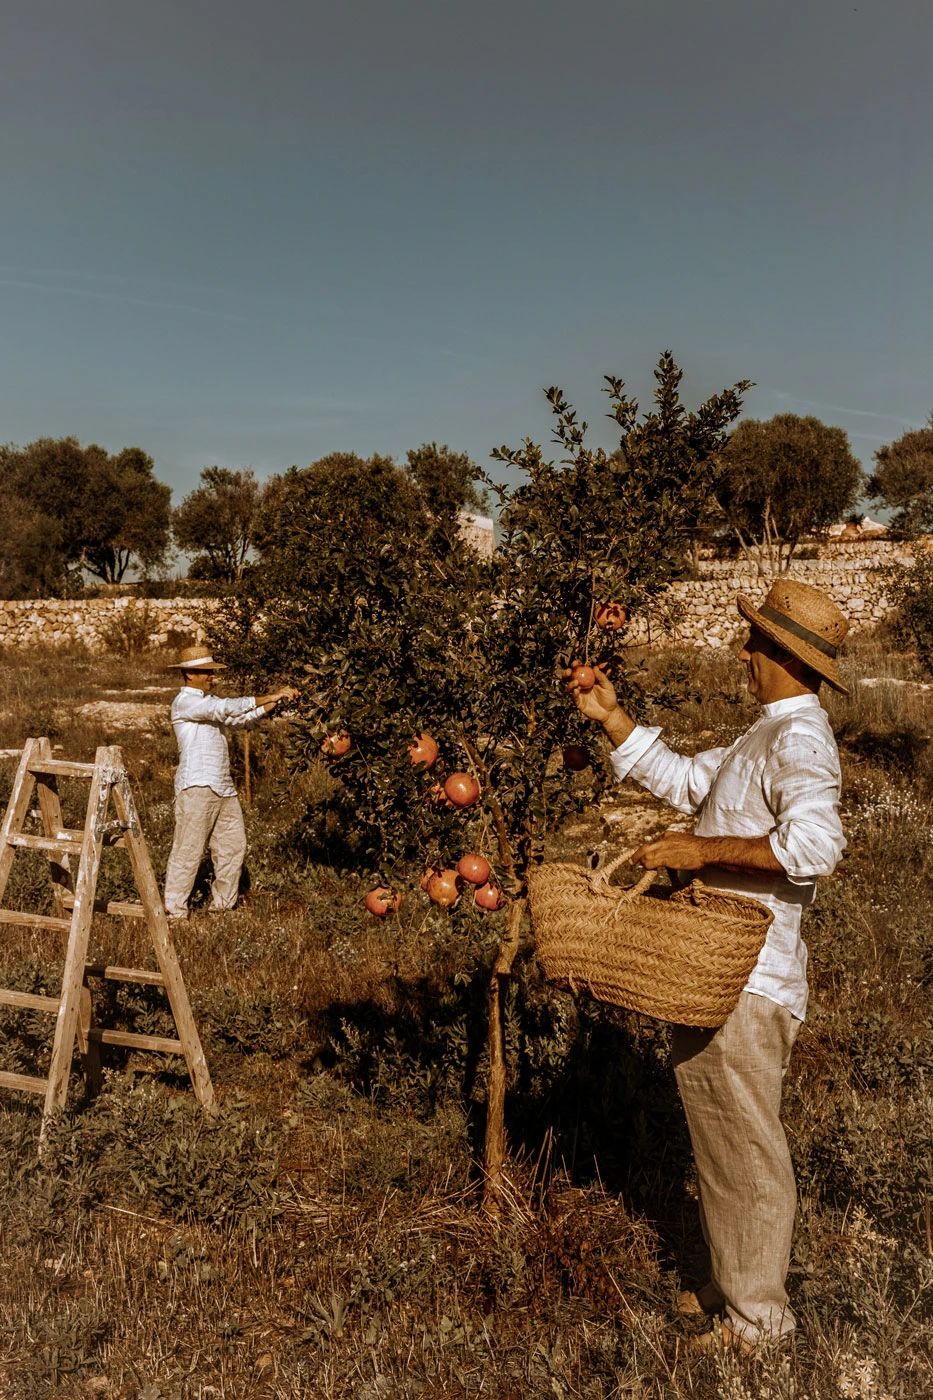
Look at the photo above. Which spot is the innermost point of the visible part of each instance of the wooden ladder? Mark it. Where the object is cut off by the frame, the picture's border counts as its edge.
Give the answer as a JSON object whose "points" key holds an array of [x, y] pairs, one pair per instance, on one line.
{"points": [[75, 903]]}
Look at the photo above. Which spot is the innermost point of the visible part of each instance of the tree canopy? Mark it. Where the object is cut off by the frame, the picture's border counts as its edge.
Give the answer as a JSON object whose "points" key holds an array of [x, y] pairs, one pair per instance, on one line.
{"points": [[783, 479], [366, 595], [903, 479], [218, 522], [364, 586], [448, 480], [92, 510]]}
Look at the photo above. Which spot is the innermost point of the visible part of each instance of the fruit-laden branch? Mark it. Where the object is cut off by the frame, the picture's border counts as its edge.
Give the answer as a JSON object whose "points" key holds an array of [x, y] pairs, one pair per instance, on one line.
{"points": [[506, 858]]}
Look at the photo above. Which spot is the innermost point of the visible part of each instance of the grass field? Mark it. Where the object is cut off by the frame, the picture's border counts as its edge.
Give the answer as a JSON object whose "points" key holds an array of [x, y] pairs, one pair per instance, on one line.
{"points": [[320, 1236]]}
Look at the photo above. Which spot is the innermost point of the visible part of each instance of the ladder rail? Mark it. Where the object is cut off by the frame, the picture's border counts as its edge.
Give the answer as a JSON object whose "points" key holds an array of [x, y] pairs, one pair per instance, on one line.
{"points": [[76, 955], [75, 903]]}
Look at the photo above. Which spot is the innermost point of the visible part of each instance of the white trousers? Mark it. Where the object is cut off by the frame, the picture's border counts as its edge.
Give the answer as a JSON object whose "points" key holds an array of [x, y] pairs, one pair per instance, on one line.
{"points": [[730, 1082], [202, 820]]}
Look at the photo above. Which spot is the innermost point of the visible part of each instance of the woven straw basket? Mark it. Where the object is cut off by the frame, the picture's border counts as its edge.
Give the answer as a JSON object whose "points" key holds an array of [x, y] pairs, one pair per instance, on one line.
{"points": [[684, 958]]}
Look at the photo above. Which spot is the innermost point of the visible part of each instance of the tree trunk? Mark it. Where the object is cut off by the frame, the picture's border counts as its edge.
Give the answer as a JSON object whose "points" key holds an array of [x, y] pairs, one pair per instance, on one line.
{"points": [[494, 1154]]}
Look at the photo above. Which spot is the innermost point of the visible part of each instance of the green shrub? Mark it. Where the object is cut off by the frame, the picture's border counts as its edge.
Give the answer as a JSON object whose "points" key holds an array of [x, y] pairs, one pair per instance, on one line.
{"points": [[168, 1154], [910, 589]]}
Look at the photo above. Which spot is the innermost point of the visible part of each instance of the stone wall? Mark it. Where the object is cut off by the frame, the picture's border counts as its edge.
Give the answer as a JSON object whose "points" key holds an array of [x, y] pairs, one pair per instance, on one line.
{"points": [[700, 612], [104, 624]]}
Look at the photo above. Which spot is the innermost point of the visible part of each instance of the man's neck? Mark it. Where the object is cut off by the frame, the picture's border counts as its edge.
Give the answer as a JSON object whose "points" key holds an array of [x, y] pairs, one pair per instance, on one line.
{"points": [[786, 688]]}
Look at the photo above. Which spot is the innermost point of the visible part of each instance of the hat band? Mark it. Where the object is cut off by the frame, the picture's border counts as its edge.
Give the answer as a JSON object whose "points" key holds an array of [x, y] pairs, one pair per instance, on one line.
{"points": [[197, 661], [812, 639]]}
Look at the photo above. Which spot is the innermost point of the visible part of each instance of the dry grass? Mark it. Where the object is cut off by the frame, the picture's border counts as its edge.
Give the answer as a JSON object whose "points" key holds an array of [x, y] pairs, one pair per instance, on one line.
{"points": [[320, 1235]]}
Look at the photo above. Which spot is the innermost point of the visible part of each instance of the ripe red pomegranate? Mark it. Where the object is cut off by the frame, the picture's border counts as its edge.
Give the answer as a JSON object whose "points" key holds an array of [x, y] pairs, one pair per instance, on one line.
{"points": [[382, 901], [474, 869], [444, 888], [336, 745], [488, 897], [584, 676], [428, 876], [423, 750], [575, 758], [461, 789]]}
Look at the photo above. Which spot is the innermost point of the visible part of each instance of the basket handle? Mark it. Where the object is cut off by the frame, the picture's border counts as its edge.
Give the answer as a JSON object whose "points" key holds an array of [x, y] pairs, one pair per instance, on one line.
{"points": [[599, 879]]}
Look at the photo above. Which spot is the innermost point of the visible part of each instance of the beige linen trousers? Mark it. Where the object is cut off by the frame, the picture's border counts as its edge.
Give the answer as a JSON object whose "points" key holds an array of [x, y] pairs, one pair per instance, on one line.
{"points": [[730, 1083], [202, 820]]}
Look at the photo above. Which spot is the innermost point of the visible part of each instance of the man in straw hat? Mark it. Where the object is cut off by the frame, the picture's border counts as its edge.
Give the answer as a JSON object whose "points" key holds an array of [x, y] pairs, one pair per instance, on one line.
{"points": [[207, 809], [767, 825]]}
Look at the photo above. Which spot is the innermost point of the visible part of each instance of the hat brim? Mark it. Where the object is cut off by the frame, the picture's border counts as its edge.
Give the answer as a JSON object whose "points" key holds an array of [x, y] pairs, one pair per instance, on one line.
{"points": [[196, 666], [824, 665]]}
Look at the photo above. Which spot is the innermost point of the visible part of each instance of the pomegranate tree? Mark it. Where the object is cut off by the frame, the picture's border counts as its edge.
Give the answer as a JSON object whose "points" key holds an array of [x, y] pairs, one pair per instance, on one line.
{"points": [[402, 633]]}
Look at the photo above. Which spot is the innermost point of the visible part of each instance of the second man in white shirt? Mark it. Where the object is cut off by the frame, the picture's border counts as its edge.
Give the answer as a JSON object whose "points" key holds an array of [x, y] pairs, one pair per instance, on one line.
{"points": [[207, 809]]}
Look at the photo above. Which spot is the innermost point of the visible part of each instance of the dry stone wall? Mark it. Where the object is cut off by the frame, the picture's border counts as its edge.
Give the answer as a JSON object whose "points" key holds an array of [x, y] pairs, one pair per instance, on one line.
{"points": [[698, 612], [104, 624], [702, 612]]}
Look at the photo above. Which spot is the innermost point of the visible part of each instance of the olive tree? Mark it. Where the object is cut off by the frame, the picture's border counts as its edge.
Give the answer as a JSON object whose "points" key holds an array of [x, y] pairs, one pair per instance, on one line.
{"points": [[903, 480], [399, 629], [98, 511], [782, 480], [217, 522]]}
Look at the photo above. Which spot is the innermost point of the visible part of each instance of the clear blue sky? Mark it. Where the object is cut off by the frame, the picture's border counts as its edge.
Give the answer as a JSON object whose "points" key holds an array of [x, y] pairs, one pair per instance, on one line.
{"points": [[254, 233]]}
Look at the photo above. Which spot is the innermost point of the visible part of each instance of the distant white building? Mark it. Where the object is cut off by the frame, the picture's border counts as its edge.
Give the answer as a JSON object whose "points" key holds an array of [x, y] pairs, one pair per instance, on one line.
{"points": [[479, 531]]}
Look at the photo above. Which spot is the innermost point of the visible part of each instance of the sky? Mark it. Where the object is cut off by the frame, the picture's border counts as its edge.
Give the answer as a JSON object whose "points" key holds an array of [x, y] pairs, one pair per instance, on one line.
{"points": [[251, 234]]}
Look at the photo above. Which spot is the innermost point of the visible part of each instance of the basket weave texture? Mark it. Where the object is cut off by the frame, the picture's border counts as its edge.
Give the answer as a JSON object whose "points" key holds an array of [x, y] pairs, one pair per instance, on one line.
{"points": [[683, 958]]}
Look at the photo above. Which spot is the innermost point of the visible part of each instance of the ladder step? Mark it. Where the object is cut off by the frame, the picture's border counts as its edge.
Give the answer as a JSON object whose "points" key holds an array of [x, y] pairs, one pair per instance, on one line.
{"points": [[17, 916], [26, 1082], [29, 1001], [143, 976], [124, 908], [65, 843], [60, 768], [133, 1041]]}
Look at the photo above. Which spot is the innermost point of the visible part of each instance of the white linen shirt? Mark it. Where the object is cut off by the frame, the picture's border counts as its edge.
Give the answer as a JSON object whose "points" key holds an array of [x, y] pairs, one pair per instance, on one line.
{"points": [[780, 778], [199, 722]]}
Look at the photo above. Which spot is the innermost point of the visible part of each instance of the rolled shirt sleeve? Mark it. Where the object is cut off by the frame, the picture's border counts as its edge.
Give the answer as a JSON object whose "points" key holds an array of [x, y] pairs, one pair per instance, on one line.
{"points": [[680, 781], [802, 784], [236, 713]]}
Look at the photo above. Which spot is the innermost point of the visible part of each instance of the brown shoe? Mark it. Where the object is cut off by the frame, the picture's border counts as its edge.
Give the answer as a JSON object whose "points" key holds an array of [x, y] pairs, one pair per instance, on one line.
{"points": [[719, 1337], [706, 1301]]}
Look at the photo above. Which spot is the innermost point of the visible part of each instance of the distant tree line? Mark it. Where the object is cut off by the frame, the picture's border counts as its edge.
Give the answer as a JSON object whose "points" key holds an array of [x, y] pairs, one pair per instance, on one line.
{"points": [[73, 512]]}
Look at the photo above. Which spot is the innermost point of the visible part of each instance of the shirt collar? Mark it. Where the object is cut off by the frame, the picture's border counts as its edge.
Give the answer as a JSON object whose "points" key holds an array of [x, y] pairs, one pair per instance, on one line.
{"points": [[792, 703]]}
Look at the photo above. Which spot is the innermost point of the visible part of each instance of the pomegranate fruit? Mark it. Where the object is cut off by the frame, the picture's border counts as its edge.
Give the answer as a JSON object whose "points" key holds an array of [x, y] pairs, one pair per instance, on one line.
{"points": [[575, 758], [423, 750], [488, 897], [382, 901], [584, 676], [461, 789], [610, 616], [336, 745], [474, 869], [444, 888]]}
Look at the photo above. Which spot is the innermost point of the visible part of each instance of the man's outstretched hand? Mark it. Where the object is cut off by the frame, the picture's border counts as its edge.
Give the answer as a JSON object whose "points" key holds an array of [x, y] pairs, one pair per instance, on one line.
{"points": [[596, 704]]}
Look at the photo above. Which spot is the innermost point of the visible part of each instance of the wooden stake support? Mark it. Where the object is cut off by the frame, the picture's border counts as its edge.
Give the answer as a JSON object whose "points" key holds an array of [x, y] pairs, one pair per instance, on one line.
{"points": [[75, 903]]}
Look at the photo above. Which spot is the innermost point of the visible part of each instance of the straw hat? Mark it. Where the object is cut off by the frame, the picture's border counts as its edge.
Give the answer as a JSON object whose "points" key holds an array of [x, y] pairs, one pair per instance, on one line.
{"points": [[196, 659], [803, 621]]}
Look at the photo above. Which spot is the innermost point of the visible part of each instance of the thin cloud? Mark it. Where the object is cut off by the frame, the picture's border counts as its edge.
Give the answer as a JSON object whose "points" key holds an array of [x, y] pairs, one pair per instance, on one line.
{"points": [[842, 408], [120, 299]]}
